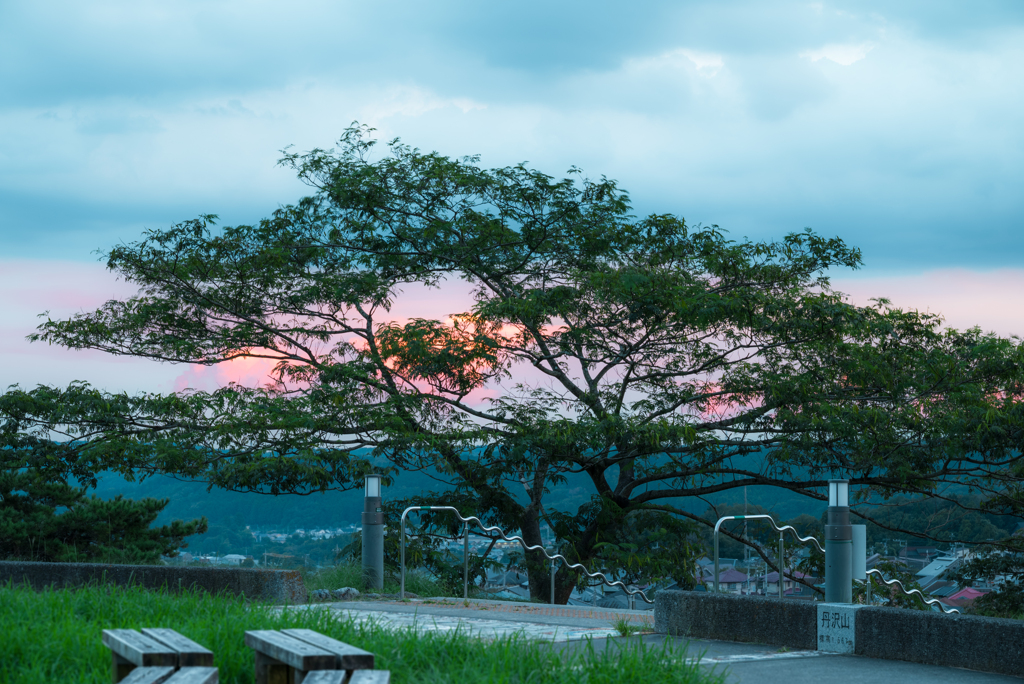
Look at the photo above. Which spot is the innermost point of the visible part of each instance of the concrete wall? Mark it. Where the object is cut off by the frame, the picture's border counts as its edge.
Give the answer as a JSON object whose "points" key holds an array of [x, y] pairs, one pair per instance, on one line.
{"points": [[967, 641], [275, 586], [726, 617]]}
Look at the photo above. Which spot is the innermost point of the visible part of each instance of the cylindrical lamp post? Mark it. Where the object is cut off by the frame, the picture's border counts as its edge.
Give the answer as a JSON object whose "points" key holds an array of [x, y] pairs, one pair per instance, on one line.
{"points": [[838, 544], [373, 535]]}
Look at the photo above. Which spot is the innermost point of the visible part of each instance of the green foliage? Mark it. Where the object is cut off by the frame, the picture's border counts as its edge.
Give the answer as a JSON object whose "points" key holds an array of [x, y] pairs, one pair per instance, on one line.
{"points": [[813, 565], [73, 651], [624, 627], [43, 517], [424, 550], [759, 532], [886, 595], [646, 354], [1002, 567], [959, 518], [351, 575], [225, 539], [647, 546]]}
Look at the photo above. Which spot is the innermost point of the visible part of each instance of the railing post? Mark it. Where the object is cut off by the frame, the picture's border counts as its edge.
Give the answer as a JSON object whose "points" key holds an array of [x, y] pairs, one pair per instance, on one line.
{"points": [[401, 556], [782, 565], [526, 547], [716, 556], [465, 561]]}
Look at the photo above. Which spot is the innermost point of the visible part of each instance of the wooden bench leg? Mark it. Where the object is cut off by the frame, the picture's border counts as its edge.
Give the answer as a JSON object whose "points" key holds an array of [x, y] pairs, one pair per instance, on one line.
{"points": [[272, 671], [120, 667]]}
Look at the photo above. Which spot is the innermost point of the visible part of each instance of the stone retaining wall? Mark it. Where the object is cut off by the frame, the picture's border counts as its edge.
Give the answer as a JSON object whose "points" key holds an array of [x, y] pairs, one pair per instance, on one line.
{"points": [[274, 586], [967, 641], [724, 617]]}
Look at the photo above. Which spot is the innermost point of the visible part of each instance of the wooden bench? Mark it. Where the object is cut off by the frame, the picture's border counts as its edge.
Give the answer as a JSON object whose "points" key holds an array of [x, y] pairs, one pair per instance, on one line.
{"points": [[168, 675], [157, 655], [302, 656]]}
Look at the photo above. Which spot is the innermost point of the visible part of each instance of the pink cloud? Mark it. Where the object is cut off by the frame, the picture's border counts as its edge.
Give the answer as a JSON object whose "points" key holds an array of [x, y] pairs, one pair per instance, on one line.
{"points": [[242, 371], [991, 300], [29, 287]]}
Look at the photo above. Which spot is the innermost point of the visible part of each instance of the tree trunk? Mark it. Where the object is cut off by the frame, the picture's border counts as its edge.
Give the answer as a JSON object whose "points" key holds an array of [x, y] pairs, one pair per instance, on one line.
{"points": [[538, 567]]}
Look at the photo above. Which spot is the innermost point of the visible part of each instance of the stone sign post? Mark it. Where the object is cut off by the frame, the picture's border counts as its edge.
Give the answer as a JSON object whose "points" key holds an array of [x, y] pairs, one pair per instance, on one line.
{"points": [[837, 627]]}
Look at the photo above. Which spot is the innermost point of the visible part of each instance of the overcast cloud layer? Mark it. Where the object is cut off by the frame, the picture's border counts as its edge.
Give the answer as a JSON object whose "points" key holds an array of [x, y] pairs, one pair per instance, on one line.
{"points": [[897, 129]]}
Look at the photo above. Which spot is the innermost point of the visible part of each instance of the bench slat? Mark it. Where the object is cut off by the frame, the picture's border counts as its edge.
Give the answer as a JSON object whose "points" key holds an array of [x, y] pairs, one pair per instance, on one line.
{"points": [[139, 649], [148, 675], [190, 654], [349, 657], [289, 650], [194, 675], [370, 677], [325, 677]]}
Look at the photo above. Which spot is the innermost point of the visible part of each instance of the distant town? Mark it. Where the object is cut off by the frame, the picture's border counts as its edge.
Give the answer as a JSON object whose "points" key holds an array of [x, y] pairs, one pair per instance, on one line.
{"points": [[927, 565]]}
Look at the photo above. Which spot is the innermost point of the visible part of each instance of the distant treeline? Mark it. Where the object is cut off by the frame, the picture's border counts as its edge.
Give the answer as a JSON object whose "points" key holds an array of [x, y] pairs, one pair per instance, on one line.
{"points": [[230, 512], [287, 512]]}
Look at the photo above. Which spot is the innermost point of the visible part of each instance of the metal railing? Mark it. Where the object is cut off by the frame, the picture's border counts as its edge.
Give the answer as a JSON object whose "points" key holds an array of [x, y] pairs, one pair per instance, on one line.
{"points": [[527, 547], [908, 592], [782, 544], [784, 528]]}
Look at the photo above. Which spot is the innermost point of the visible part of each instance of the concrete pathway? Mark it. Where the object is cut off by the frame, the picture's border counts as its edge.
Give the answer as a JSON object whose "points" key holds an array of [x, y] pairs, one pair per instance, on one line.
{"points": [[492, 619], [567, 627]]}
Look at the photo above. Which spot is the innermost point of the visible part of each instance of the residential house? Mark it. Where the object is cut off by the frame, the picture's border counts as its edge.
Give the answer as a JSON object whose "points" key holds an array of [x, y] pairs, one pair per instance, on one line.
{"points": [[731, 581], [769, 584], [963, 598]]}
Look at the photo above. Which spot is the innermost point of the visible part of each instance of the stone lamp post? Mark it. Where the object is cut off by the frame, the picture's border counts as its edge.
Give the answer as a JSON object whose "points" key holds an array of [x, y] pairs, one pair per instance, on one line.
{"points": [[373, 535], [838, 544]]}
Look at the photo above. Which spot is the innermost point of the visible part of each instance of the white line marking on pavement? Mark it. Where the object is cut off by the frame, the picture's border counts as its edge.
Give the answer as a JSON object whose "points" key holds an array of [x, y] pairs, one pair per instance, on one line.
{"points": [[754, 657]]}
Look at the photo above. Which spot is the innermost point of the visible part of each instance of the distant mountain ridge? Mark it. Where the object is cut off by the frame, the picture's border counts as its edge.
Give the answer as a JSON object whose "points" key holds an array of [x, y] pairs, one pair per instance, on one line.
{"points": [[190, 499]]}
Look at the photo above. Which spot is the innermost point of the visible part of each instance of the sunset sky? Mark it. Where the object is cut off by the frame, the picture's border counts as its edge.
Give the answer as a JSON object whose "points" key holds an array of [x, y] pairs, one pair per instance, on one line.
{"points": [[899, 130]]}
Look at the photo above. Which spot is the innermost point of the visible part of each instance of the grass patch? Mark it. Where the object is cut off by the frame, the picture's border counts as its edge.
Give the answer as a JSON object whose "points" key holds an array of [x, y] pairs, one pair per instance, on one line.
{"points": [[624, 627], [55, 636], [627, 628]]}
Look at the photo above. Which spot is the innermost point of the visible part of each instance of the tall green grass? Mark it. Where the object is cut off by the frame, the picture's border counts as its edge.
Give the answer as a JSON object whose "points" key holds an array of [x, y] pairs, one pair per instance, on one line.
{"points": [[54, 636], [350, 575]]}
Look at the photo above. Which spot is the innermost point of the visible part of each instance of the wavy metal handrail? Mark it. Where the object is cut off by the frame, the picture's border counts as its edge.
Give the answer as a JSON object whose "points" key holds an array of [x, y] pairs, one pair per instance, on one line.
{"points": [[910, 592], [784, 528], [781, 530], [527, 547]]}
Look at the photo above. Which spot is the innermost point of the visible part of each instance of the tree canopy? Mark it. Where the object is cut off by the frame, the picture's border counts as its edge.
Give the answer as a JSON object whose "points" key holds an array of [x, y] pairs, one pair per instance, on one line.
{"points": [[46, 513], [660, 359]]}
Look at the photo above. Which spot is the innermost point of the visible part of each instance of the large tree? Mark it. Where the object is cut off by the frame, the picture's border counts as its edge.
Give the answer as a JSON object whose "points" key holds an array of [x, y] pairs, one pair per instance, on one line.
{"points": [[656, 359]]}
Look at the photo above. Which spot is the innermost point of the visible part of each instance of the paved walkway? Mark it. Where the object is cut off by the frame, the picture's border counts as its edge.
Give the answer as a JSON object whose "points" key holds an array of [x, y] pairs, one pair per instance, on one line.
{"points": [[494, 619], [567, 627]]}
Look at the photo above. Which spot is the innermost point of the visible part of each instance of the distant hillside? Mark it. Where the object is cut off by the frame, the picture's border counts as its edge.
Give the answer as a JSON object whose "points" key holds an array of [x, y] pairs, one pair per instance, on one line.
{"points": [[333, 509], [232, 511]]}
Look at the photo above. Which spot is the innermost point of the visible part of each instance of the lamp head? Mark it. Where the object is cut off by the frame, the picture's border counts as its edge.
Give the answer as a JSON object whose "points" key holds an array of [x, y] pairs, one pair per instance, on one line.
{"points": [[839, 493], [373, 486]]}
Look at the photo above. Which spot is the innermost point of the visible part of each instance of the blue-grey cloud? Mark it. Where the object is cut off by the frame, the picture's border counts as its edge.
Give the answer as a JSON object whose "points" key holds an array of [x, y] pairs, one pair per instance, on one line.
{"points": [[897, 126]]}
